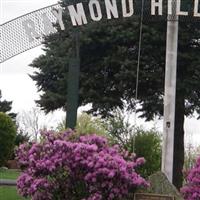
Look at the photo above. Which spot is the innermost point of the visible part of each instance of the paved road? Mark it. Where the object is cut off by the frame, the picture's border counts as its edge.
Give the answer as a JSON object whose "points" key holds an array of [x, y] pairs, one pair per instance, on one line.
{"points": [[7, 182]]}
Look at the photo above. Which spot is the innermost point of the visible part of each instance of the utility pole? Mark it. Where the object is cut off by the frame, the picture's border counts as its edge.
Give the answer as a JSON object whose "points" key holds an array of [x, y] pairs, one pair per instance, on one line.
{"points": [[170, 92]]}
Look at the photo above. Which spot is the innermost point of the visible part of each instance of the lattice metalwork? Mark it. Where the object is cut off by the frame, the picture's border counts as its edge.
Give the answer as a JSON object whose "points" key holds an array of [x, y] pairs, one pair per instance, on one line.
{"points": [[14, 38]]}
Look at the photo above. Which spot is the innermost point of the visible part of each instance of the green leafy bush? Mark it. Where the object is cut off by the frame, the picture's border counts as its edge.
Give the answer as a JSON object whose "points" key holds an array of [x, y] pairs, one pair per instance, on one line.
{"points": [[86, 124], [144, 143], [191, 190], [7, 137], [148, 145], [87, 168]]}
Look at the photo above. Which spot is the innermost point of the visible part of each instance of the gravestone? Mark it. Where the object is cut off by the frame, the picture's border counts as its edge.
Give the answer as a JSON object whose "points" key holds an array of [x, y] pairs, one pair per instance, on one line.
{"points": [[160, 189]]}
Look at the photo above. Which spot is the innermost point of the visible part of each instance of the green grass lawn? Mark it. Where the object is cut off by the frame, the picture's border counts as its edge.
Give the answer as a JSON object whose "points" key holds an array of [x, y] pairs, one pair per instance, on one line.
{"points": [[9, 192], [9, 174]]}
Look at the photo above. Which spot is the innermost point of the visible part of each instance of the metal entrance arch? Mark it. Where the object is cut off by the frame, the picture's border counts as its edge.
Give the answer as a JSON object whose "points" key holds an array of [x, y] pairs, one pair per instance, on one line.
{"points": [[26, 32], [14, 37]]}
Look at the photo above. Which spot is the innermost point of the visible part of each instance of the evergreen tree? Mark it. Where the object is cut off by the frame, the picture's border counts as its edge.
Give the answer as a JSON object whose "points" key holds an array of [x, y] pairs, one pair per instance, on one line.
{"points": [[6, 106], [108, 52]]}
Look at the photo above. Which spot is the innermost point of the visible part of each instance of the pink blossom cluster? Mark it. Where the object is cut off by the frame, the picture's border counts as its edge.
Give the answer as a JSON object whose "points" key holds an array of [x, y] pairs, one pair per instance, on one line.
{"points": [[85, 168], [191, 191]]}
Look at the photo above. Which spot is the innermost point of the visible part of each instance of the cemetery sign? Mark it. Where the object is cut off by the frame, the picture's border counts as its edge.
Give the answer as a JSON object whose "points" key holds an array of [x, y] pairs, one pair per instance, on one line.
{"points": [[27, 31]]}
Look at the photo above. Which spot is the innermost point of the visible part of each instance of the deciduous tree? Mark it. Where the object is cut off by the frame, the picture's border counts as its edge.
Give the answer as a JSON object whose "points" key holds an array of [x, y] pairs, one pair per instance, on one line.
{"points": [[7, 137]]}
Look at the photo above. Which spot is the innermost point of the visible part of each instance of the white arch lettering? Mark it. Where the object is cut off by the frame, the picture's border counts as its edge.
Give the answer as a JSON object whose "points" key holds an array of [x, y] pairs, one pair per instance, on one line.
{"points": [[92, 4], [77, 14], [58, 14], [196, 5], [125, 8], [34, 25], [156, 4], [29, 27], [178, 9], [48, 26], [111, 9]]}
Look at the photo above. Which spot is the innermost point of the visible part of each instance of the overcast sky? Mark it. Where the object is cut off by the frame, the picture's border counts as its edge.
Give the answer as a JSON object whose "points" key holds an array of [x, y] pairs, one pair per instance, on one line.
{"points": [[19, 88], [15, 83]]}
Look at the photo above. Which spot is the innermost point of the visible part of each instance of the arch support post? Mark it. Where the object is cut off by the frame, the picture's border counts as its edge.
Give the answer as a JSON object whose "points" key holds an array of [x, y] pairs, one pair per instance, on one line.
{"points": [[73, 83], [170, 93]]}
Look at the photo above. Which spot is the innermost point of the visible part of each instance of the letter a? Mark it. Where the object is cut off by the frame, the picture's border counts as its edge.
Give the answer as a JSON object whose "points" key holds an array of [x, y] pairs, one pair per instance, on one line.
{"points": [[48, 26], [29, 27]]}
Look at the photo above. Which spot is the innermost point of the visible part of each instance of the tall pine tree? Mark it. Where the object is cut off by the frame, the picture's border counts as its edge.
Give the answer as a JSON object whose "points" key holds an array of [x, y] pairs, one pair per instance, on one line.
{"points": [[6, 106], [108, 52]]}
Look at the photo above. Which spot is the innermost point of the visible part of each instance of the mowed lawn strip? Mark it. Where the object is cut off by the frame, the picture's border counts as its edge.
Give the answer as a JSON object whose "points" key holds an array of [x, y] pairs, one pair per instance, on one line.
{"points": [[9, 174], [9, 193]]}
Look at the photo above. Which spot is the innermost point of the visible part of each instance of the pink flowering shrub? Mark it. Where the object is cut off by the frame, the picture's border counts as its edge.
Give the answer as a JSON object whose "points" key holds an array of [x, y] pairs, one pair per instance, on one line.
{"points": [[85, 168], [191, 191]]}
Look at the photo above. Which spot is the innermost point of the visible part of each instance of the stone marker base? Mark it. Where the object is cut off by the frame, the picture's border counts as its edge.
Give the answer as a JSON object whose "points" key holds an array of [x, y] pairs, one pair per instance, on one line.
{"points": [[150, 196], [159, 184], [12, 164]]}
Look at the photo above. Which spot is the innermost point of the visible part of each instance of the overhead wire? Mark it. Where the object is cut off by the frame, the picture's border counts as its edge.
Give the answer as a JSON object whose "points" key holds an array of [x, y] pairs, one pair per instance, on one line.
{"points": [[138, 60]]}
